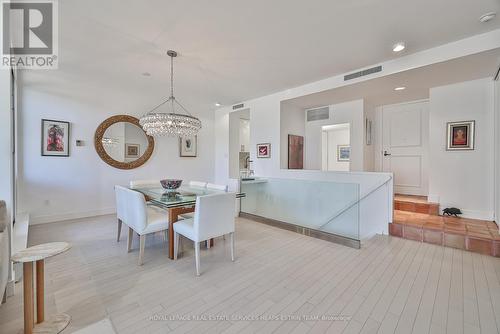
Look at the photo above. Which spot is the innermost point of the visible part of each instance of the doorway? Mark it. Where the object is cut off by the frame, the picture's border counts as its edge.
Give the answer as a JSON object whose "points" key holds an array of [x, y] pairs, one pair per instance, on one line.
{"points": [[405, 146], [336, 147]]}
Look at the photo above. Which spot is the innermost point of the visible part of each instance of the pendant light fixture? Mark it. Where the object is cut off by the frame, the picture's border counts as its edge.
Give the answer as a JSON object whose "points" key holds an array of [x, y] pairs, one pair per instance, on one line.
{"points": [[172, 123]]}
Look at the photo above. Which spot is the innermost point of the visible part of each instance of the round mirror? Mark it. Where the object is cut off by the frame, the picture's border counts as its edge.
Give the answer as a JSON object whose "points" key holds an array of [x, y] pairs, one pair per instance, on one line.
{"points": [[122, 143]]}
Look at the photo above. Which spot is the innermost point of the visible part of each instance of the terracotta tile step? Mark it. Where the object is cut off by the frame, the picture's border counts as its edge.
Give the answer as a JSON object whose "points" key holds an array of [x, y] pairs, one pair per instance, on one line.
{"points": [[468, 234], [417, 204]]}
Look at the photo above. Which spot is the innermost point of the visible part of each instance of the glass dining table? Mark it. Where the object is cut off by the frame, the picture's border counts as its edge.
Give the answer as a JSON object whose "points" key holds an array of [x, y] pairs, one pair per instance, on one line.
{"points": [[176, 203]]}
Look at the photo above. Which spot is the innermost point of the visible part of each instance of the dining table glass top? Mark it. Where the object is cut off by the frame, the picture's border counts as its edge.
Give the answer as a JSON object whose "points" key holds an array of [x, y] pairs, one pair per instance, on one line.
{"points": [[183, 196]]}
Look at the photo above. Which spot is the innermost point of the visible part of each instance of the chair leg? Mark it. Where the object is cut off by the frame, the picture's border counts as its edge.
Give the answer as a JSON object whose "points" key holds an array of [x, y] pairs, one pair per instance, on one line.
{"points": [[142, 243], [232, 246], [129, 239], [119, 230], [197, 257], [176, 245]]}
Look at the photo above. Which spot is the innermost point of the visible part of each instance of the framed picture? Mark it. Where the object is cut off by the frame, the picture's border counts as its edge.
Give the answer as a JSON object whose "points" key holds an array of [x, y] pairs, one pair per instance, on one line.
{"points": [[188, 146], [343, 153], [460, 136], [264, 150], [295, 152], [368, 128], [55, 138], [132, 151]]}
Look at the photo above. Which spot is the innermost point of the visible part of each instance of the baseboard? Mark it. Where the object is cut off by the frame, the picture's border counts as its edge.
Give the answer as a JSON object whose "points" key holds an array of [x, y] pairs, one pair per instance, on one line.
{"points": [[45, 219], [433, 198]]}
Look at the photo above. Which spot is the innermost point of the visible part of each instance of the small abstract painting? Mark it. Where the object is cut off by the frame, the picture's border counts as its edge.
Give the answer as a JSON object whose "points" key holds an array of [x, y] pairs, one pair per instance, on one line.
{"points": [[460, 135], [343, 153], [55, 138], [132, 151], [264, 150], [188, 146], [295, 152]]}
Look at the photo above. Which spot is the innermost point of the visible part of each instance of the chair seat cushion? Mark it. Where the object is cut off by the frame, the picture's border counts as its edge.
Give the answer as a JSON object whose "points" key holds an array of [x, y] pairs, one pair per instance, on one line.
{"points": [[185, 227], [187, 215], [157, 220]]}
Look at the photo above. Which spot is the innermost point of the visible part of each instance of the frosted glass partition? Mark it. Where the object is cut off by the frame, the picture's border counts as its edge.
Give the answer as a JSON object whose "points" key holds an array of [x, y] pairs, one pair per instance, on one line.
{"points": [[324, 206]]}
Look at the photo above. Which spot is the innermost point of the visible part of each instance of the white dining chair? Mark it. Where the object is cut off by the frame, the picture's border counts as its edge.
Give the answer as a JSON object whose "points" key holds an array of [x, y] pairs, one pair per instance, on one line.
{"points": [[121, 210], [211, 186], [135, 184], [198, 184], [140, 218], [213, 217]]}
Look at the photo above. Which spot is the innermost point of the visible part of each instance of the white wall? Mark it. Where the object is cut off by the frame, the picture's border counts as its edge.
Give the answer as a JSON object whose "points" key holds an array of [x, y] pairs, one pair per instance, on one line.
{"points": [[349, 112], [292, 122], [57, 188], [463, 179]]}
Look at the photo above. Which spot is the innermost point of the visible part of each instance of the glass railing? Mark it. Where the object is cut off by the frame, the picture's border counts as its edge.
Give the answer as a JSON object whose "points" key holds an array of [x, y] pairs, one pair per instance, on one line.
{"points": [[323, 206]]}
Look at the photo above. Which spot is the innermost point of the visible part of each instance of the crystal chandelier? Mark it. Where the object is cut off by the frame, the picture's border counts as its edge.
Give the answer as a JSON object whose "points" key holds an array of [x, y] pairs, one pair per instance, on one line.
{"points": [[107, 141], [172, 123]]}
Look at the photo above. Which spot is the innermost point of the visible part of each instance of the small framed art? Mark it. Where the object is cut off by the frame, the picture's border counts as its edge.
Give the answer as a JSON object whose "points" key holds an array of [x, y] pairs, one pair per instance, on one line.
{"points": [[55, 138], [460, 136], [132, 151], [188, 146], [264, 150], [343, 153]]}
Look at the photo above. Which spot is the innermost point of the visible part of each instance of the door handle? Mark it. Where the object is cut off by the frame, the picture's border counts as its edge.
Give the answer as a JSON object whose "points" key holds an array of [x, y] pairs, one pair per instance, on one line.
{"points": [[386, 154]]}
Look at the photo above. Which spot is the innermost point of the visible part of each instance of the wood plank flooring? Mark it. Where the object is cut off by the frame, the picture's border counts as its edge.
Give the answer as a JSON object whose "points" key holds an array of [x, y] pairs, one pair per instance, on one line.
{"points": [[281, 282]]}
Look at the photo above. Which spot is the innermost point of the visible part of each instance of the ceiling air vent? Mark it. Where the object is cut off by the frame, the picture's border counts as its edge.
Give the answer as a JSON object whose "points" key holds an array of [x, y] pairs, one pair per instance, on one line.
{"points": [[363, 73], [238, 106], [318, 114]]}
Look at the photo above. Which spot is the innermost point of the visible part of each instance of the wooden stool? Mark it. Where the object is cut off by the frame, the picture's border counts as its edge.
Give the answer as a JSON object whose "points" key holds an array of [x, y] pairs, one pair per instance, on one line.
{"points": [[38, 254]]}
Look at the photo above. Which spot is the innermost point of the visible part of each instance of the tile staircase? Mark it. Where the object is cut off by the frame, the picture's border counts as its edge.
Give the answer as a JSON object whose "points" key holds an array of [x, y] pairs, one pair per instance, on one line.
{"points": [[417, 219]]}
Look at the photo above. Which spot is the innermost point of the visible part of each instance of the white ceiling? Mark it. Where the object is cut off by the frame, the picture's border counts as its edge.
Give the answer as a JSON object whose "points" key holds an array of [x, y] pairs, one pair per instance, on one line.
{"points": [[380, 91], [234, 50]]}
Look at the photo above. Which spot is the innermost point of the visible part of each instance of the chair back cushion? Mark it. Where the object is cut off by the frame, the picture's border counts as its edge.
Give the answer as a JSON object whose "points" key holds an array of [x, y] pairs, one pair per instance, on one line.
{"points": [[135, 208], [135, 184], [217, 186], [214, 215], [197, 184]]}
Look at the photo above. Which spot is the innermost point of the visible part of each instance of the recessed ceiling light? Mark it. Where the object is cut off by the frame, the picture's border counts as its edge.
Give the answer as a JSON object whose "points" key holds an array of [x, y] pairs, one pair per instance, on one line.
{"points": [[217, 104], [398, 47], [146, 74], [487, 17], [400, 88]]}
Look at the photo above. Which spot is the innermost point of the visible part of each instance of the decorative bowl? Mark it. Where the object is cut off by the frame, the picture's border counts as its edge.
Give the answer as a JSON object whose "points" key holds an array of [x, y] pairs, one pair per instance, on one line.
{"points": [[171, 184]]}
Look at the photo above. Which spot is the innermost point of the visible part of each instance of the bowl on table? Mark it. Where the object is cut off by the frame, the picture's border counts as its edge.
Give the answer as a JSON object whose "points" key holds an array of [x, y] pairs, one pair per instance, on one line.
{"points": [[171, 184]]}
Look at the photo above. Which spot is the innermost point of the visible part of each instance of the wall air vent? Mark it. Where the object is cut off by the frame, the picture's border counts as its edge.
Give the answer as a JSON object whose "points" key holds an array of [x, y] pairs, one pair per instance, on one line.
{"points": [[363, 73], [318, 114], [238, 106]]}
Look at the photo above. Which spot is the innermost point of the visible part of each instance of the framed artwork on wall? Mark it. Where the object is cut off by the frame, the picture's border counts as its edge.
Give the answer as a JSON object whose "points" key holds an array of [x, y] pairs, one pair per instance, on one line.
{"points": [[295, 152], [188, 146], [132, 151], [264, 150], [343, 153], [55, 138], [460, 136]]}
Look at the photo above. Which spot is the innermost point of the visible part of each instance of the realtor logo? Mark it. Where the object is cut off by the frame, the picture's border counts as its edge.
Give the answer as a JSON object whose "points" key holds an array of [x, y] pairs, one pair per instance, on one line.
{"points": [[29, 34]]}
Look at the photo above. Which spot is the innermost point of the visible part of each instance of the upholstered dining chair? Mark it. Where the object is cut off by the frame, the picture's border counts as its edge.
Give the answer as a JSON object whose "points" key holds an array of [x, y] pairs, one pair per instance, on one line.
{"points": [[135, 184], [139, 217], [208, 186], [213, 217]]}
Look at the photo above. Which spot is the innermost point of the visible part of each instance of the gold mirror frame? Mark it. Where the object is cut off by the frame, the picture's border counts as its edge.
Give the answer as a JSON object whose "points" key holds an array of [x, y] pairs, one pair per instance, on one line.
{"points": [[99, 147]]}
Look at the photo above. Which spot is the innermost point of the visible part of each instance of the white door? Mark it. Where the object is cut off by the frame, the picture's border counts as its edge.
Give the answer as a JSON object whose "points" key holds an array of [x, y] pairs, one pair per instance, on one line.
{"points": [[405, 146]]}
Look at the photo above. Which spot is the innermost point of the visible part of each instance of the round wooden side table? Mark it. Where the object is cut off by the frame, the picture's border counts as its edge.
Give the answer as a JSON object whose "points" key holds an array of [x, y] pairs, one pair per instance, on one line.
{"points": [[37, 254]]}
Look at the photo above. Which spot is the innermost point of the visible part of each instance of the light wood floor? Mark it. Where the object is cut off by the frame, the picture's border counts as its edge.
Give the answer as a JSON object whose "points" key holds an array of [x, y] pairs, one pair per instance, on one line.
{"points": [[391, 285]]}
